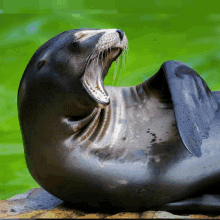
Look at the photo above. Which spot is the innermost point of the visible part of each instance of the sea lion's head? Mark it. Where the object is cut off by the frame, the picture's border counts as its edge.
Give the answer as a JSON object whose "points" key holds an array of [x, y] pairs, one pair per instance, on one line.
{"points": [[74, 64]]}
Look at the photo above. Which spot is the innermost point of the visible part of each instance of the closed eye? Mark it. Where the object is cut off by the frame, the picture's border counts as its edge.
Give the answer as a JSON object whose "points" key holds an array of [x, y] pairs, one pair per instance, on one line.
{"points": [[40, 64], [80, 36]]}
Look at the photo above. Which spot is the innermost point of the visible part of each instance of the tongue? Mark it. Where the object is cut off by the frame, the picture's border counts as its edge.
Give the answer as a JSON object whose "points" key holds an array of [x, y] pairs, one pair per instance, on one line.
{"points": [[93, 83]]}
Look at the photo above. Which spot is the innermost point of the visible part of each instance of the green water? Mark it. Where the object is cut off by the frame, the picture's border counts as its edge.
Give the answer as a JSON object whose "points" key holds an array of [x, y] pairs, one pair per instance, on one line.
{"points": [[157, 31]]}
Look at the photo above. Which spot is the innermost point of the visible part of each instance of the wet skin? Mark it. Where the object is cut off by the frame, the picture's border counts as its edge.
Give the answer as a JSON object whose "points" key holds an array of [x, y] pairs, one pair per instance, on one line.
{"points": [[123, 148]]}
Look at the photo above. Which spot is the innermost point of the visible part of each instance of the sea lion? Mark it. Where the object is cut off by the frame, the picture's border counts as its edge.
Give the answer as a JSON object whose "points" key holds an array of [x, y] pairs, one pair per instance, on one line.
{"points": [[122, 148]]}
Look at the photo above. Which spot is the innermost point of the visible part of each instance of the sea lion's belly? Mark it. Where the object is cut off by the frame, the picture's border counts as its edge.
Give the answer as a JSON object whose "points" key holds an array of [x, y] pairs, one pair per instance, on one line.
{"points": [[145, 158], [141, 180], [128, 159]]}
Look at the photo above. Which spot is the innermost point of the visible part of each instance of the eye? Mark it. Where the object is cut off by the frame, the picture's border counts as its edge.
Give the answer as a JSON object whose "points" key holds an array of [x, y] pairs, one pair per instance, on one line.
{"points": [[40, 64]]}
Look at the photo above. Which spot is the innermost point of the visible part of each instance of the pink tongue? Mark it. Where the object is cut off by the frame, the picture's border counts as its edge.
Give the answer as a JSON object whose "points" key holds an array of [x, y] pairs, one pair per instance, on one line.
{"points": [[93, 83]]}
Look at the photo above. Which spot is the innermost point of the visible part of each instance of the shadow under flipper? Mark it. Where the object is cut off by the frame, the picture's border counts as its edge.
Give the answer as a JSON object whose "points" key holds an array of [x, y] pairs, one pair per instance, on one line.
{"points": [[205, 204]]}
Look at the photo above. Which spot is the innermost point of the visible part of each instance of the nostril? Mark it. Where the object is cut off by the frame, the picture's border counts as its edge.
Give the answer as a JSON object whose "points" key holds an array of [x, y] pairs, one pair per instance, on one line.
{"points": [[121, 34]]}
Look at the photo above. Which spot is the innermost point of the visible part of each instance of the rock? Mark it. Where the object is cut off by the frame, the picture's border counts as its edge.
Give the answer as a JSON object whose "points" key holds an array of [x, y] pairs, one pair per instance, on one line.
{"points": [[148, 214], [164, 214], [91, 216], [37, 203], [57, 214], [34, 199], [124, 215]]}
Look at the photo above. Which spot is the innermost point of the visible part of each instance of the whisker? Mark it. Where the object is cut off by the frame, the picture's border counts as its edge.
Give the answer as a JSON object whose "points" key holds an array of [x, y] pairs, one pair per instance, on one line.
{"points": [[102, 58], [120, 71], [122, 63], [92, 54], [116, 70], [99, 53], [93, 51]]}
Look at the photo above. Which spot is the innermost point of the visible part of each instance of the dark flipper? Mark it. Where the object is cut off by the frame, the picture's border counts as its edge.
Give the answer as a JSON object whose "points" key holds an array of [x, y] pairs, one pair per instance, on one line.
{"points": [[205, 203], [194, 105]]}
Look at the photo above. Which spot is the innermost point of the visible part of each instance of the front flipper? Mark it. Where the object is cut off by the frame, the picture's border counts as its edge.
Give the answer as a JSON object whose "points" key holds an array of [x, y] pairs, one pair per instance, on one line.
{"points": [[193, 103]]}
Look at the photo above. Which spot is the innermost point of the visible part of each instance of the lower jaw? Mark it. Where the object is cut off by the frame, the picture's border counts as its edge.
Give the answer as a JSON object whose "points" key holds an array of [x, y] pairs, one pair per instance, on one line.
{"points": [[100, 97]]}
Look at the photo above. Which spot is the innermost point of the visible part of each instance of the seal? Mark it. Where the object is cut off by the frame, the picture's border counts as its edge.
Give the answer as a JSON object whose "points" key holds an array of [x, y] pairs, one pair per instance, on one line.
{"points": [[122, 148]]}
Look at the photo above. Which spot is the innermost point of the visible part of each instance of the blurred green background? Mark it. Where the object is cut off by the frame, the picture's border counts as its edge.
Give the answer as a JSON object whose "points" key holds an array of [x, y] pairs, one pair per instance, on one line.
{"points": [[157, 31]]}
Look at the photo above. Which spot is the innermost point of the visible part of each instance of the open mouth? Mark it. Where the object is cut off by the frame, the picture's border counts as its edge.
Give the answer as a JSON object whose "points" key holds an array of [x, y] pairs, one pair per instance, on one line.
{"points": [[95, 72]]}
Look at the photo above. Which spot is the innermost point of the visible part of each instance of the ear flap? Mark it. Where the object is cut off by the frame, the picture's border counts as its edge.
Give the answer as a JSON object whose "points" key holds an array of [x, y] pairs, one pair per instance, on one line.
{"points": [[194, 105]]}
